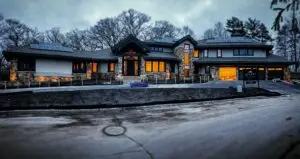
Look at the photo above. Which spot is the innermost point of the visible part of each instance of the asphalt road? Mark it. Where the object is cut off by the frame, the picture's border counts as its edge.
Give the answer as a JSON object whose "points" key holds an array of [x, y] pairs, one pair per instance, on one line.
{"points": [[250, 128]]}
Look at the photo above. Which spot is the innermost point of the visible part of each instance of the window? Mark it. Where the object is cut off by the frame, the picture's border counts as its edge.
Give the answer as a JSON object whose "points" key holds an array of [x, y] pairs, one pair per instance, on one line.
{"points": [[79, 67], [219, 53], [111, 67], [172, 66], [155, 66], [186, 47], [161, 49], [205, 53], [148, 66], [162, 66], [94, 67], [196, 53], [26, 65], [243, 52], [186, 58], [158, 49]]}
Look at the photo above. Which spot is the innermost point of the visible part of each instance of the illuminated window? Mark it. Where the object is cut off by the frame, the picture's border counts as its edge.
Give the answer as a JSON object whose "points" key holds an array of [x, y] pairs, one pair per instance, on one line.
{"points": [[111, 67], [155, 66], [79, 67], [186, 58], [261, 69], [161, 66], [186, 47], [94, 67], [196, 53], [148, 66]]}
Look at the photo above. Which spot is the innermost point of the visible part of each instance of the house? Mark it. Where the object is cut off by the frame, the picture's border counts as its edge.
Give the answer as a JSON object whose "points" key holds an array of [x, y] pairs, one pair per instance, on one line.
{"points": [[221, 59]]}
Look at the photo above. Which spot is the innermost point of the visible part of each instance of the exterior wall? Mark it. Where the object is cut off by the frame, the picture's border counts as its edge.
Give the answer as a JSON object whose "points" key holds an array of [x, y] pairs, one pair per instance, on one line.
{"points": [[142, 67], [53, 66], [103, 67], [179, 52], [120, 64], [159, 75]]}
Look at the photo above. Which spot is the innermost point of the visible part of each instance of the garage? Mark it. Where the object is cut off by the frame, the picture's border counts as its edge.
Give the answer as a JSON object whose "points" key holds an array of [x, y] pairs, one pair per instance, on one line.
{"points": [[275, 73], [261, 72], [227, 73]]}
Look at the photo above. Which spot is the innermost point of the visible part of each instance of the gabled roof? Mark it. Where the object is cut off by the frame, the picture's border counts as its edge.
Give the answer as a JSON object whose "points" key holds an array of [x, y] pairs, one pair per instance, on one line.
{"points": [[186, 38], [130, 39]]}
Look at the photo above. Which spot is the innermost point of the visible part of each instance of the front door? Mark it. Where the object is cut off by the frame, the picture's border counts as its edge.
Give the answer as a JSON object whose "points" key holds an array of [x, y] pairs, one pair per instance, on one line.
{"points": [[130, 68]]}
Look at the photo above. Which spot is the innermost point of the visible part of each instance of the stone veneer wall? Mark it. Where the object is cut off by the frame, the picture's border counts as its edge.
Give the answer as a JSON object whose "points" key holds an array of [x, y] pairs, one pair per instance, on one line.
{"points": [[120, 64], [159, 75], [179, 52]]}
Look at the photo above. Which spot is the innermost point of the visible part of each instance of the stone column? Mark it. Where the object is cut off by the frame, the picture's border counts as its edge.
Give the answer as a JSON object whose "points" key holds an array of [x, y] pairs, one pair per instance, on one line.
{"points": [[13, 70], [142, 66], [88, 70], [266, 73], [120, 65]]}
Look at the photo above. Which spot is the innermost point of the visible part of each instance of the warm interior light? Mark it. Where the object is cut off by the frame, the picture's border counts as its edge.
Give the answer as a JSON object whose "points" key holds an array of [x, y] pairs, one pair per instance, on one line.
{"points": [[227, 73]]}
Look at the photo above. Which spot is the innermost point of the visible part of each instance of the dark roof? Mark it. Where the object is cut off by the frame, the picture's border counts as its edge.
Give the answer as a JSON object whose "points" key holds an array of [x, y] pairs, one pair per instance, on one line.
{"points": [[161, 56], [271, 59], [189, 38], [101, 55], [232, 42], [164, 42], [130, 39]]}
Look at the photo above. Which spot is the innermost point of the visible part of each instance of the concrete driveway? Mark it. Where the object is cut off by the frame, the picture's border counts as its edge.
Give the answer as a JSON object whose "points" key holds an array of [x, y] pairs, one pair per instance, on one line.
{"points": [[257, 128]]}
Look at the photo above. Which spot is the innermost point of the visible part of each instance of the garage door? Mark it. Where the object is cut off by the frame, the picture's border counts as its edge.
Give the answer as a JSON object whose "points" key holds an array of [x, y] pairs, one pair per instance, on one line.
{"points": [[275, 73], [227, 73]]}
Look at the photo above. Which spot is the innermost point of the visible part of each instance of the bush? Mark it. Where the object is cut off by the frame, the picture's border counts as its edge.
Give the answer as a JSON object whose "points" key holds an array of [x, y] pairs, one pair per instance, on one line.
{"points": [[138, 84]]}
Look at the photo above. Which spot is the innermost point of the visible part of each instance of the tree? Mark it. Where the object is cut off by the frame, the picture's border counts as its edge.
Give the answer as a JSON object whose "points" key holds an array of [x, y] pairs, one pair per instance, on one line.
{"points": [[106, 33], [293, 6], [218, 31], [76, 39], [209, 34], [133, 22], [235, 26], [186, 30], [54, 35], [282, 39], [256, 29], [164, 29]]}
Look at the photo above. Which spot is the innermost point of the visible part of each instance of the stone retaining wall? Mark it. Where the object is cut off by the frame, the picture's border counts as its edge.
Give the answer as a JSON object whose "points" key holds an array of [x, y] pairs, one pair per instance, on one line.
{"points": [[116, 97]]}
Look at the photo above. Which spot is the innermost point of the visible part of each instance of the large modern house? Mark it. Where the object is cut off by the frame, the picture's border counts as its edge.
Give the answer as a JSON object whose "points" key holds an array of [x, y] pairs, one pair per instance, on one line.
{"points": [[221, 59]]}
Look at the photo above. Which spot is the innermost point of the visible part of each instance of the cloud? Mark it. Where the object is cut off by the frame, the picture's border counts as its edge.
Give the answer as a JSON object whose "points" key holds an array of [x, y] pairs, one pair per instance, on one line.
{"points": [[198, 14]]}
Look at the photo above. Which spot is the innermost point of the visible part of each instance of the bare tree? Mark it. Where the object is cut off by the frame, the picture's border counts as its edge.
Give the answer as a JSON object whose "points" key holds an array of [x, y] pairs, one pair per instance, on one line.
{"points": [[209, 34], [164, 29], [133, 22], [54, 35], [186, 30], [106, 33]]}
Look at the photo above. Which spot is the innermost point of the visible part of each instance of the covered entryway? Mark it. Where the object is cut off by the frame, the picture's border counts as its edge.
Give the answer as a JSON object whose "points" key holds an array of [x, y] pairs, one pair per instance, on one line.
{"points": [[131, 65], [227, 73]]}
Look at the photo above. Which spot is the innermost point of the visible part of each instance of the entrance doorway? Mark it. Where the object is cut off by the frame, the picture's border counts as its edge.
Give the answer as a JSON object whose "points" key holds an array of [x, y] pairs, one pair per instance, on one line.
{"points": [[131, 66]]}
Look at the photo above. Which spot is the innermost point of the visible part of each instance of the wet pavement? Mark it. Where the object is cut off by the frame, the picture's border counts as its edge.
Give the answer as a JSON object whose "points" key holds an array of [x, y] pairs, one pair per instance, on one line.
{"points": [[259, 128]]}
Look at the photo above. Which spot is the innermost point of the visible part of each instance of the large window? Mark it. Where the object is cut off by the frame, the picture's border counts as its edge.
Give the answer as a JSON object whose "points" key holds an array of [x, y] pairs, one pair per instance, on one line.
{"points": [[26, 65], [155, 66], [243, 52], [79, 67], [111, 67], [158, 49], [186, 58], [196, 53], [94, 67]]}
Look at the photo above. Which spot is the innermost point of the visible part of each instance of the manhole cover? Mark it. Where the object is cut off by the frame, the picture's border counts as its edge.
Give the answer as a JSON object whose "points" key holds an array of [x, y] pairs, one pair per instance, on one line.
{"points": [[114, 130]]}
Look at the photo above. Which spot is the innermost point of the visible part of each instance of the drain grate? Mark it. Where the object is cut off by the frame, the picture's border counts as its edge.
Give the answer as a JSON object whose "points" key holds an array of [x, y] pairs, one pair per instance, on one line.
{"points": [[113, 130]]}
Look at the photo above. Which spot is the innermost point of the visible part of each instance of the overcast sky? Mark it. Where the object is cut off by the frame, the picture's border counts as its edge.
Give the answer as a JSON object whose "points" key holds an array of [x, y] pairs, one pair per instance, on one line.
{"points": [[198, 14]]}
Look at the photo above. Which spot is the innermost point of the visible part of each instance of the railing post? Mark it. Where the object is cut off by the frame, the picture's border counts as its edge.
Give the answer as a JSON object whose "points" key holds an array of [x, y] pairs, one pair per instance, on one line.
{"points": [[183, 80], [71, 81], [81, 82], [58, 82], [18, 84], [175, 80], [49, 83], [192, 79], [96, 80], [156, 79], [5, 85], [110, 80], [200, 79], [28, 83], [39, 83]]}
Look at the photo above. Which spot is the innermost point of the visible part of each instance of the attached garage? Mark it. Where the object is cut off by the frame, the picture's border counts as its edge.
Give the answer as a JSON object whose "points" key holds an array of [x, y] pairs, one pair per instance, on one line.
{"points": [[227, 73], [275, 73], [261, 72]]}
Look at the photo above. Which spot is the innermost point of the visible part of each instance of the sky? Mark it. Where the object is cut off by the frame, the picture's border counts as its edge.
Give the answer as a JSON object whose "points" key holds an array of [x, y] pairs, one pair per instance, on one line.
{"points": [[197, 14]]}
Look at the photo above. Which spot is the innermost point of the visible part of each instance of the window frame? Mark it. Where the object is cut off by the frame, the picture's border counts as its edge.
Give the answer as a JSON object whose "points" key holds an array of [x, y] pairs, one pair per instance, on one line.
{"points": [[187, 60], [158, 65], [79, 69], [249, 52], [205, 53], [95, 63], [197, 56], [109, 67], [221, 53], [31, 63]]}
